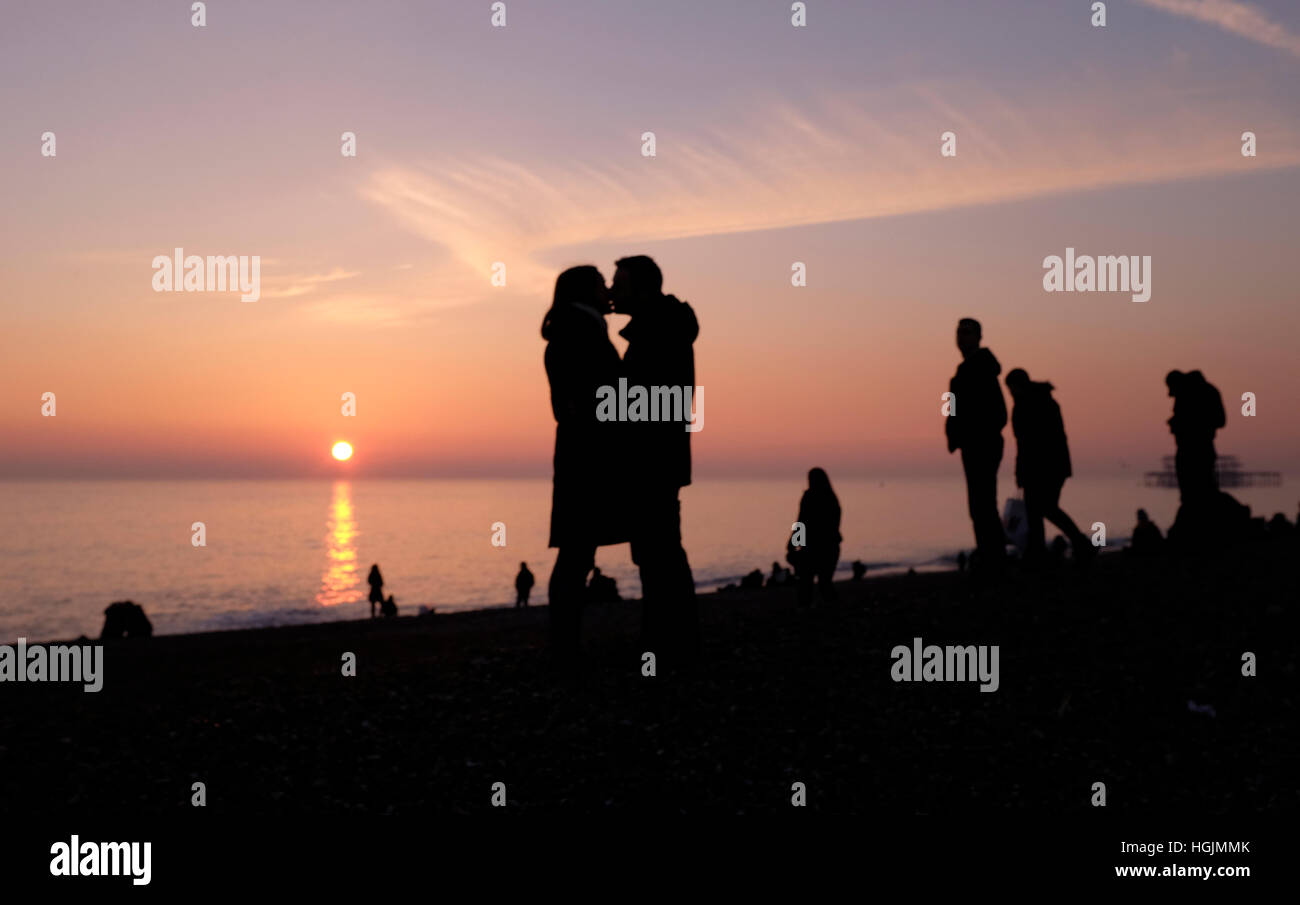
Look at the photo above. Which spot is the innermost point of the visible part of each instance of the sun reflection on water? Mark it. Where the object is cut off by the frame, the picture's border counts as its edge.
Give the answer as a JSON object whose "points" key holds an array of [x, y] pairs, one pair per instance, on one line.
{"points": [[340, 583]]}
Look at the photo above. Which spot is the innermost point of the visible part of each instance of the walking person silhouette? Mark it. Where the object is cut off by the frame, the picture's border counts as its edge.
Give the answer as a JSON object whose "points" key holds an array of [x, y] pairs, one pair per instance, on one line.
{"points": [[584, 514], [659, 353], [979, 413], [1042, 463]]}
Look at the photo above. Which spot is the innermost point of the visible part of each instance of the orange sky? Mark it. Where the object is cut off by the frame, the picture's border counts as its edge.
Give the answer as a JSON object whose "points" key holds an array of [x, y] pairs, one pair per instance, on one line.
{"points": [[522, 145]]}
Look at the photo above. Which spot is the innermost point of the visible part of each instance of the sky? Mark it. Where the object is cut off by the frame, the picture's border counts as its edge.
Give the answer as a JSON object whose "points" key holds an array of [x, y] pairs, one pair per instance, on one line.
{"points": [[523, 145]]}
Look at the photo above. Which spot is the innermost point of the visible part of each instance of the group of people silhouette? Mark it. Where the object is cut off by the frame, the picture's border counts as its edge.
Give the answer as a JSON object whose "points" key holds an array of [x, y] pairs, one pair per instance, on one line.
{"points": [[977, 414], [387, 605], [652, 460], [600, 589]]}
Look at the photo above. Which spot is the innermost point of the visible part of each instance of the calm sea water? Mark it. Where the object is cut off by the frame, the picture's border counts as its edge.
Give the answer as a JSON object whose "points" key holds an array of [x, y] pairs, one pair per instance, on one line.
{"points": [[281, 552]]}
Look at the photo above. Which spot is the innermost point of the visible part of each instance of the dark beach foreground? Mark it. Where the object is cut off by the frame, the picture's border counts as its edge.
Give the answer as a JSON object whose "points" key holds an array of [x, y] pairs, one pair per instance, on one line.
{"points": [[1128, 674]]}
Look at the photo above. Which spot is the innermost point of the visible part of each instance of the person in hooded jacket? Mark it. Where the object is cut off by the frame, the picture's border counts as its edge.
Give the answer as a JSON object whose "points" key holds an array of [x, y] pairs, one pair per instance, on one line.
{"points": [[660, 353], [580, 359], [1198, 414], [978, 414], [1042, 462]]}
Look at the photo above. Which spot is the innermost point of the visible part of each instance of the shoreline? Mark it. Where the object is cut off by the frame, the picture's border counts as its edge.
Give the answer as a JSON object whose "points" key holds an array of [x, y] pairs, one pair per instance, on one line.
{"points": [[483, 617], [1127, 673], [879, 573], [405, 617]]}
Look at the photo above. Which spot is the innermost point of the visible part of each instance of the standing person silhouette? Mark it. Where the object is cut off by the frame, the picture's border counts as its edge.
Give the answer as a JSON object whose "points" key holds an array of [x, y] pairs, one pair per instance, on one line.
{"points": [[819, 512], [660, 353], [975, 427], [1042, 463], [1198, 414], [376, 582], [579, 360], [524, 582]]}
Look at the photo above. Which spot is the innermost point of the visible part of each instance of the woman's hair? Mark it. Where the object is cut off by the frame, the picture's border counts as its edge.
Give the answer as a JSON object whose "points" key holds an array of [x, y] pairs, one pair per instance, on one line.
{"points": [[819, 482], [577, 285]]}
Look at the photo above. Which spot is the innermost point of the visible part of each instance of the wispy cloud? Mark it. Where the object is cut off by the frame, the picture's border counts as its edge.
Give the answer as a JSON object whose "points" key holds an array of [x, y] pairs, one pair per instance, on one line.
{"points": [[292, 285], [1235, 16], [383, 307], [841, 158]]}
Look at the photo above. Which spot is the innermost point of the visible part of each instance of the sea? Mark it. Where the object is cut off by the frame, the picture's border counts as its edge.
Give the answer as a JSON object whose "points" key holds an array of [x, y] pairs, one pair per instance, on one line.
{"points": [[282, 552]]}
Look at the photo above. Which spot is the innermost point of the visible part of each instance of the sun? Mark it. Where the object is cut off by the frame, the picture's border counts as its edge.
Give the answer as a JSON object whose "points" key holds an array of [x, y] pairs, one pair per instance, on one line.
{"points": [[342, 451]]}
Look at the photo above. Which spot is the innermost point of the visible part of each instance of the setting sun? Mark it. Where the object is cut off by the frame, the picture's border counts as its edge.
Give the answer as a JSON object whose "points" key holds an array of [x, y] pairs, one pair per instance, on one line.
{"points": [[342, 451]]}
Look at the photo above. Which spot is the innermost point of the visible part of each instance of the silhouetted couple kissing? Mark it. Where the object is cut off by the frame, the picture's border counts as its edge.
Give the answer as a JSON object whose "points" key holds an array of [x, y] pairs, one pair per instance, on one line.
{"points": [[617, 480]]}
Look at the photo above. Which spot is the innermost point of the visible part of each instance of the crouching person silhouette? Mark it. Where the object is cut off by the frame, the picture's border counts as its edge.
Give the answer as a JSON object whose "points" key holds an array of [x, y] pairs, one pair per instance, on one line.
{"points": [[1147, 539], [125, 619]]}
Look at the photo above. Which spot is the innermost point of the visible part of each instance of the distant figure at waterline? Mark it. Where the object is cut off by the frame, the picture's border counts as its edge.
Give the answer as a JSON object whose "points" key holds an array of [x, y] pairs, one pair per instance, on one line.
{"points": [[524, 582], [1147, 538], [780, 576], [815, 554], [125, 619], [376, 582]]}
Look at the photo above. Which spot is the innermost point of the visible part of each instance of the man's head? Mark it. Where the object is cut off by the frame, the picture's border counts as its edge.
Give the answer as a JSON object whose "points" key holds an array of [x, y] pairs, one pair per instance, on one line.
{"points": [[1175, 381], [1142, 516], [1017, 381], [968, 336], [637, 281]]}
